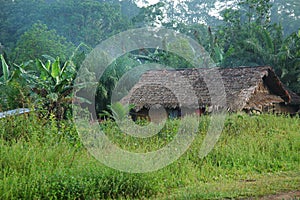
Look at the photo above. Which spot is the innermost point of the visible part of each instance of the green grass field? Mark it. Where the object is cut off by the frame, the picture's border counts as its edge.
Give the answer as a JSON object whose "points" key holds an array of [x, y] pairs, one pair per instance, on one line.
{"points": [[255, 156]]}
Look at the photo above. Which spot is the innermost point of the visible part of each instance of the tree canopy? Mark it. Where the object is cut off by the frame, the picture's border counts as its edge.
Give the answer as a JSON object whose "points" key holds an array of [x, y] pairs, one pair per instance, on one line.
{"points": [[234, 33]]}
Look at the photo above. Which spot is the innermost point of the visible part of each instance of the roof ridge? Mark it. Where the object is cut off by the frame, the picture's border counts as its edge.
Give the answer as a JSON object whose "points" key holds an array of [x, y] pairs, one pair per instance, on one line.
{"points": [[236, 67]]}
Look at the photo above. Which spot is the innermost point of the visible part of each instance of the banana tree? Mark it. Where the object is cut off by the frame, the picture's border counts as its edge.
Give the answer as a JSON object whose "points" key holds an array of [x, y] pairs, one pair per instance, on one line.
{"points": [[51, 84], [7, 75], [4, 79], [13, 93]]}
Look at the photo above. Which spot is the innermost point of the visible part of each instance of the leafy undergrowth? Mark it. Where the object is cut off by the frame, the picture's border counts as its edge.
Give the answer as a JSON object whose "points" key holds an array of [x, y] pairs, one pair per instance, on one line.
{"points": [[255, 156]]}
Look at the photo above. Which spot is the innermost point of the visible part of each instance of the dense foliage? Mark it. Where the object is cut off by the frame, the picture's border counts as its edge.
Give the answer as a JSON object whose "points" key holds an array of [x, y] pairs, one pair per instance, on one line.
{"points": [[245, 33]]}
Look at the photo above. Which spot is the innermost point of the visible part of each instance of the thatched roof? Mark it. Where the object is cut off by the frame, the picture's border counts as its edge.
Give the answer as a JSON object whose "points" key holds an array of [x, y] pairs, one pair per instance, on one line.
{"points": [[172, 88]]}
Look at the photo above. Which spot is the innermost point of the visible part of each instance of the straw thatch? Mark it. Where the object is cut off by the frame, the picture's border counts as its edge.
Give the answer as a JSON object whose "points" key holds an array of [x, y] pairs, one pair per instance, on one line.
{"points": [[246, 88]]}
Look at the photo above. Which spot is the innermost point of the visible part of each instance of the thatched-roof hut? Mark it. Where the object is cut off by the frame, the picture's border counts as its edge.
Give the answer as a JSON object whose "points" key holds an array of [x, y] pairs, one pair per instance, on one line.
{"points": [[246, 89]]}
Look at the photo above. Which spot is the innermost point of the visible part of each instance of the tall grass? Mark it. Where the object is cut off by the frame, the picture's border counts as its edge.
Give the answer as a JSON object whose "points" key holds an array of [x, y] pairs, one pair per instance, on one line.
{"points": [[44, 161], [41, 160]]}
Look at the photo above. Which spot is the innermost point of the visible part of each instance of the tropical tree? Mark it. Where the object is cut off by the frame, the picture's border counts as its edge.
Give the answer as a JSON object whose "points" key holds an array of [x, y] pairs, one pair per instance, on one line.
{"points": [[75, 21], [110, 79], [86, 21], [286, 13], [249, 38], [51, 85], [150, 16], [6, 74], [13, 93], [38, 41], [288, 67], [16, 17]]}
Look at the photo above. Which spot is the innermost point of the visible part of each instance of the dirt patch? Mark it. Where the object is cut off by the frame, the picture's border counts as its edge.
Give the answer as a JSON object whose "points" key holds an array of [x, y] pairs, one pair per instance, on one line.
{"points": [[294, 195]]}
